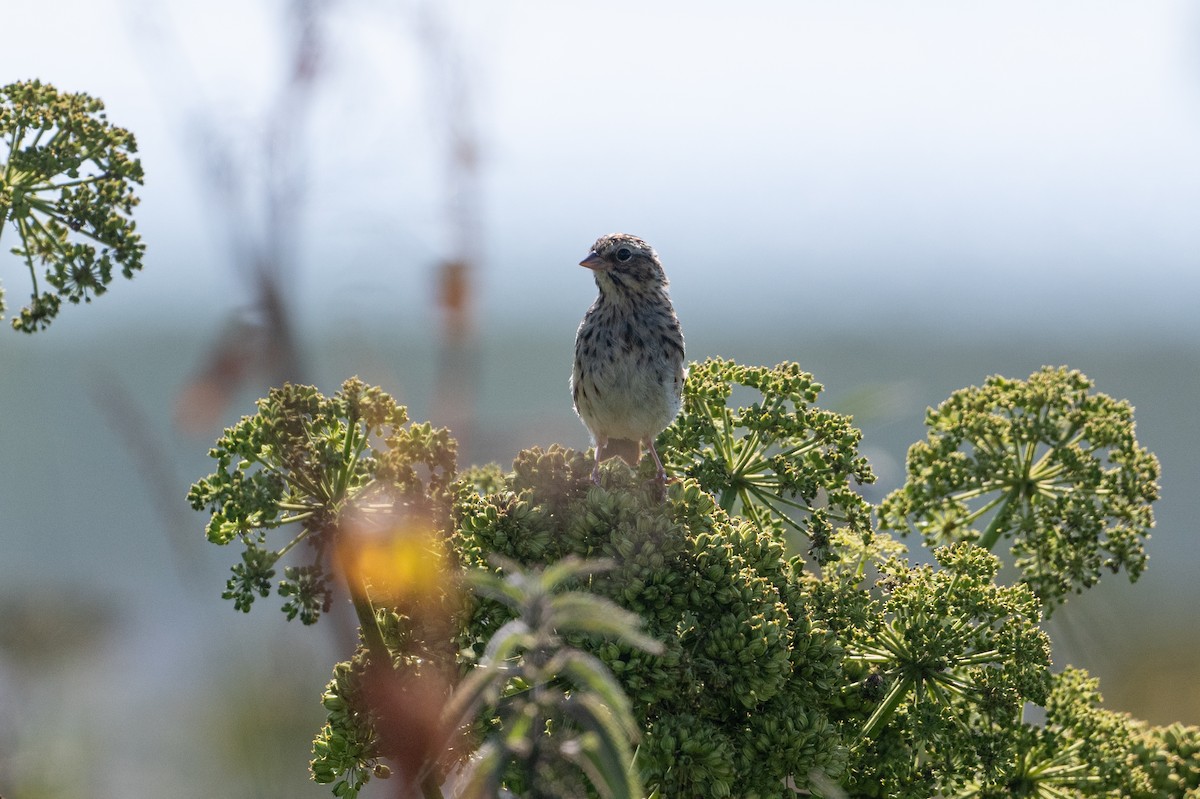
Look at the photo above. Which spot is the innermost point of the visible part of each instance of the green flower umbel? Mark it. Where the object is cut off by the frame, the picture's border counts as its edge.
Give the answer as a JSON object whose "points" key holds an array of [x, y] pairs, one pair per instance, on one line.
{"points": [[66, 188], [781, 461], [1042, 461]]}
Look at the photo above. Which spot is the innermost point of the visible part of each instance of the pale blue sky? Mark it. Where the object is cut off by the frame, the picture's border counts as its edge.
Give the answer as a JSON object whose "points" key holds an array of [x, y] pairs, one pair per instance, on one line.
{"points": [[944, 160]]}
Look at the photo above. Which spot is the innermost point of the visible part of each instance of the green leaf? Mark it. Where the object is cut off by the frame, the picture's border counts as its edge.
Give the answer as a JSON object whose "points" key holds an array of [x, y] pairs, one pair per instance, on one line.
{"points": [[603, 748], [486, 768], [591, 615], [589, 674]]}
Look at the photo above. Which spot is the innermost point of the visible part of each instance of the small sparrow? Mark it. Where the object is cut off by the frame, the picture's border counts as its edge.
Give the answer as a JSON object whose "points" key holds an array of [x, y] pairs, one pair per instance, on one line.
{"points": [[628, 377]]}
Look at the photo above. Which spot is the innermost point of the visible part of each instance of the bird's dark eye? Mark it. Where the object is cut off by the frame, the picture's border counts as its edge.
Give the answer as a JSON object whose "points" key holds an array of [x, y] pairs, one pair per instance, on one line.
{"points": [[624, 254]]}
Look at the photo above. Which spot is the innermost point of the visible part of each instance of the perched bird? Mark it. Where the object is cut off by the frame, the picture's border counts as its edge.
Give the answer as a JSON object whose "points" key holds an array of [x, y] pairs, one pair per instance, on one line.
{"points": [[628, 377]]}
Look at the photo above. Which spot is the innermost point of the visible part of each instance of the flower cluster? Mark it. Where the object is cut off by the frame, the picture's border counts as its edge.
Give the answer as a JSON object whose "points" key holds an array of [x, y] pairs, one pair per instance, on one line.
{"points": [[1045, 462], [780, 461], [941, 662], [1170, 757], [734, 705], [325, 466], [346, 750], [739, 670], [66, 187]]}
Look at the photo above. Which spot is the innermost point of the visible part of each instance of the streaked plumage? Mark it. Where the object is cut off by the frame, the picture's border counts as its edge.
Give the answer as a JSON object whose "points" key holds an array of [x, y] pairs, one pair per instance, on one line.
{"points": [[628, 377]]}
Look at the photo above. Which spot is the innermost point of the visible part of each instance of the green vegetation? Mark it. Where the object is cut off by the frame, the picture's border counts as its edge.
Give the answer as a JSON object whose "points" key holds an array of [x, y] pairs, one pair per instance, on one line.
{"points": [[66, 189], [558, 638], [1056, 468], [747, 632]]}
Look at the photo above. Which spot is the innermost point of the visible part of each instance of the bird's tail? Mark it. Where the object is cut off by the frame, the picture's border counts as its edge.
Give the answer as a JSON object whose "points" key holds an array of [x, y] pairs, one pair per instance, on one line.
{"points": [[626, 449]]}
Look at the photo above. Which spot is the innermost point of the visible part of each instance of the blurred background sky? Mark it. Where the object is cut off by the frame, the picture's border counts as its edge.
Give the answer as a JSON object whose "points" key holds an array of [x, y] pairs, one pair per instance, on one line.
{"points": [[986, 163], [904, 198]]}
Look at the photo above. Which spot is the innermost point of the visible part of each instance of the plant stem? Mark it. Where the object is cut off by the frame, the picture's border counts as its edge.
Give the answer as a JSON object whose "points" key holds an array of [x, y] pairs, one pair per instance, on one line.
{"points": [[887, 708], [79, 182], [372, 637], [303, 534], [12, 148], [728, 495], [992, 534], [381, 659], [24, 233], [429, 788]]}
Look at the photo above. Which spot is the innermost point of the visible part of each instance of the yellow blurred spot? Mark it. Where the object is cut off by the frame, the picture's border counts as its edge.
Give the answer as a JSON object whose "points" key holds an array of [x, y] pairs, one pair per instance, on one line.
{"points": [[401, 564]]}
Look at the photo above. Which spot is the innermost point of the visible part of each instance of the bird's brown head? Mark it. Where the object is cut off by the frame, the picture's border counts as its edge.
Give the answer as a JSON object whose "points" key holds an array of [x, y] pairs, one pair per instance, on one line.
{"points": [[626, 264]]}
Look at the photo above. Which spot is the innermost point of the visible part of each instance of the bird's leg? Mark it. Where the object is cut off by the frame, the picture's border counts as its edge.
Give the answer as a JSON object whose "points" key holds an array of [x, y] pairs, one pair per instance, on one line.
{"points": [[662, 473], [596, 467]]}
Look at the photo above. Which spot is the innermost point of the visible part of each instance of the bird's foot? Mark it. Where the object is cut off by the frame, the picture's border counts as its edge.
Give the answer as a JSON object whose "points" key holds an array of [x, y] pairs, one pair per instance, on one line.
{"points": [[660, 479], [658, 486]]}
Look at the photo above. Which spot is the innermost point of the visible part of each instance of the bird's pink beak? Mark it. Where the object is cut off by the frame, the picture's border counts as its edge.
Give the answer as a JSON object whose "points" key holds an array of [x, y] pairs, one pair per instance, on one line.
{"points": [[593, 261]]}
